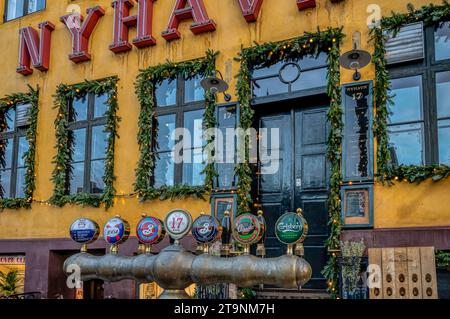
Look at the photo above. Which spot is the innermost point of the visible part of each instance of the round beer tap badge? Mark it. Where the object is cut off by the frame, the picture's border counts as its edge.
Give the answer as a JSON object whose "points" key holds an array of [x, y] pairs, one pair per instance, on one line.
{"points": [[150, 230], [84, 231], [247, 229], [116, 231], [206, 229], [178, 223], [289, 228]]}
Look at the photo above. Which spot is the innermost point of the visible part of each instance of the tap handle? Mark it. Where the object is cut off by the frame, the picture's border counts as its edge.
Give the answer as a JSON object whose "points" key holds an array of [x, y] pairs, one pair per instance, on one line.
{"points": [[226, 228]]}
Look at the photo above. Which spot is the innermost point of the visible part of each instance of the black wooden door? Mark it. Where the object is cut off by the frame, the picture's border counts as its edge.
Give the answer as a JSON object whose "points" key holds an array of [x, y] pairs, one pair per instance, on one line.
{"points": [[301, 180]]}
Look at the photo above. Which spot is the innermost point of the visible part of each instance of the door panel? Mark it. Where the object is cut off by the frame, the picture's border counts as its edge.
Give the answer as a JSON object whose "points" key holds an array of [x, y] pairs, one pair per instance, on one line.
{"points": [[301, 181]]}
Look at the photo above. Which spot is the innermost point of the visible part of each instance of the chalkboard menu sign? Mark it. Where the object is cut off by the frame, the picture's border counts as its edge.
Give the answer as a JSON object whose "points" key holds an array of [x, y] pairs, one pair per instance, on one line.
{"points": [[357, 150], [357, 206]]}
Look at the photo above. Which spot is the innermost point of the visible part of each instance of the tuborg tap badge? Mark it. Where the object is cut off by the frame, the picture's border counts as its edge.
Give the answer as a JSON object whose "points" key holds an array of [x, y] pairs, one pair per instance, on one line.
{"points": [[206, 229], [290, 228], [247, 229], [84, 231]]}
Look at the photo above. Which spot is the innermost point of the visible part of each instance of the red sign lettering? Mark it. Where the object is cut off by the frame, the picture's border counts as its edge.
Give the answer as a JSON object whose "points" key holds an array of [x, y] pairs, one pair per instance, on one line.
{"points": [[35, 49], [81, 32], [250, 9], [196, 11]]}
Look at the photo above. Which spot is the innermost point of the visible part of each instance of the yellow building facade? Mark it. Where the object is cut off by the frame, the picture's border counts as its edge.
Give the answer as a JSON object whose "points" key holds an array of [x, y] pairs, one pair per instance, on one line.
{"points": [[408, 207]]}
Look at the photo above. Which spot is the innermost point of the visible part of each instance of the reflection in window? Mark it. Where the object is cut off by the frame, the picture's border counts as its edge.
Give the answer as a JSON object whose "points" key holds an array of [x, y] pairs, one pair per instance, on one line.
{"points": [[164, 166], [19, 8], [444, 141], [193, 91], [290, 76], [442, 42], [443, 116], [405, 122], [193, 149], [89, 143], [166, 93]]}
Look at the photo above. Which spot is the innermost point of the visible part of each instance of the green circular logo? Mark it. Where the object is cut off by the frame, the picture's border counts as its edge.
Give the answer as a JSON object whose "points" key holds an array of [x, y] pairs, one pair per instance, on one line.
{"points": [[247, 229], [289, 228]]}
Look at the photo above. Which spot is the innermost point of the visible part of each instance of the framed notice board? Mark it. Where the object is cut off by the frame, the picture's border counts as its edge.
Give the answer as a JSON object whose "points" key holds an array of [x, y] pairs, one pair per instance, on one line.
{"points": [[357, 145], [357, 206], [220, 202]]}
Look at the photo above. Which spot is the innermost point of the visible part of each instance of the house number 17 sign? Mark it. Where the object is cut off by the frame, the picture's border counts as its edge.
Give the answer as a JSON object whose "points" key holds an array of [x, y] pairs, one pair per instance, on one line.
{"points": [[178, 223]]}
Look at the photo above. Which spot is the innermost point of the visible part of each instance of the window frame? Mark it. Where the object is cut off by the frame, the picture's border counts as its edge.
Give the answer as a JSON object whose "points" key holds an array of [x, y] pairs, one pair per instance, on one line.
{"points": [[428, 67], [88, 124], [24, 13], [179, 109], [15, 135]]}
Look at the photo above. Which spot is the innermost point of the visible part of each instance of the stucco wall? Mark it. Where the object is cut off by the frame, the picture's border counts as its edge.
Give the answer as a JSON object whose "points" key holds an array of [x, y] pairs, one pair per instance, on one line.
{"points": [[399, 206]]}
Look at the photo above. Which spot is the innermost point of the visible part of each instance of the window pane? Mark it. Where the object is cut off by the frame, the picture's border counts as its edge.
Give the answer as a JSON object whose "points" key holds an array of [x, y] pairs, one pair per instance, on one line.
{"points": [[311, 61], [443, 94], [269, 86], [97, 171], [192, 171], [79, 145], [15, 9], [79, 109], [271, 70], [77, 178], [406, 144], [10, 117], [8, 146], [310, 79], [193, 123], [23, 148], [164, 169], [193, 91], [99, 142], [20, 183], [442, 42], [407, 100], [444, 141], [166, 125], [166, 93], [6, 183], [100, 105], [35, 5]]}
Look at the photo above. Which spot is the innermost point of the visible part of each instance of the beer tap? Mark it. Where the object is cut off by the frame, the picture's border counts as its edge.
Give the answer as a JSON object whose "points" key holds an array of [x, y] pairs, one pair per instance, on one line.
{"points": [[206, 230], [260, 248], [299, 248], [226, 234], [149, 231], [116, 231], [84, 231]]}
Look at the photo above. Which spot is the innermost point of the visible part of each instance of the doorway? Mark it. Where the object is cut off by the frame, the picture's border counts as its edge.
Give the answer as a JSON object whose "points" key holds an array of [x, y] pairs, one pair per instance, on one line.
{"points": [[302, 178]]}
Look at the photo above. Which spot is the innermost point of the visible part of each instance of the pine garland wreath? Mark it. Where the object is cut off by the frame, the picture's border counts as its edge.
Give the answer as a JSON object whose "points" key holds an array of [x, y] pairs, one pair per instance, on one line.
{"points": [[11, 101], [145, 90], [265, 55], [64, 146], [431, 15]]}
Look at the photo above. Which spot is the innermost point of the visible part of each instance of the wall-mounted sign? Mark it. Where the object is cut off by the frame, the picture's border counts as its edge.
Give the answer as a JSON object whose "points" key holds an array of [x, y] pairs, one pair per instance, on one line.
{"points": [[221, 202], [84, 231], [357, 150], [291, 228], [150, 230], [178, 223], [206, 229], [116, 231], [357, 206], [247, 229]]}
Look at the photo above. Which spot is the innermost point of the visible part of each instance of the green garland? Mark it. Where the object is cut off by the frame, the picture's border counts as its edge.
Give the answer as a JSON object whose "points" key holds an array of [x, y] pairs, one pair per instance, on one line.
{"points": [[431, 15], [145, 91], [32, 97], [64, 94], [266, 55]]}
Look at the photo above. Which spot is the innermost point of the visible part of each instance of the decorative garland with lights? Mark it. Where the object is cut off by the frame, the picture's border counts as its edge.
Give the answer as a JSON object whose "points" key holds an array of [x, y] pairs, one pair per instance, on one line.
{"points": [[11, 101], [266, 55], [145, 90], [431, 15], [64, 146]]}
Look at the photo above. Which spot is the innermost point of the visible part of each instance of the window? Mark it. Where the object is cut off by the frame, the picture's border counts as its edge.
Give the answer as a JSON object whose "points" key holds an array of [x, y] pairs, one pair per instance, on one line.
{"points": [[286, 77], [179, 105], [419, 119], [89, 141], [15, 146], [18, 8]]}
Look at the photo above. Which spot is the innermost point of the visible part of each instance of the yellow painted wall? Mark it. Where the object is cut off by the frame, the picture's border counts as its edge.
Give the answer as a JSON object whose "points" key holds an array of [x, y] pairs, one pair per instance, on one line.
{"points": [[403, 205]]}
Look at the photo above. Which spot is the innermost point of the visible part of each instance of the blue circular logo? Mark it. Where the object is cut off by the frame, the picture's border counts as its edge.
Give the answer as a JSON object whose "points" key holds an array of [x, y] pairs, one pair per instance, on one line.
{"points": [[150, 230], [84, 231], [206, 229]]}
